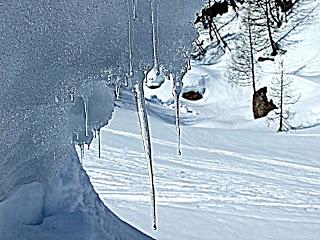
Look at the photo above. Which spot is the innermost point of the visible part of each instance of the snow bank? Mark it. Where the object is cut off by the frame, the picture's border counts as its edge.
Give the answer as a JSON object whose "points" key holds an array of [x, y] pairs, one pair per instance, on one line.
{"points": [[56, 59], [64, 208]]}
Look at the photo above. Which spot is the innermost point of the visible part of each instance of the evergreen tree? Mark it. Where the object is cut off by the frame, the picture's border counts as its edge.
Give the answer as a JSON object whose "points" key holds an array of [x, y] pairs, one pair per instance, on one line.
{"points": [[284, 96], [242, 64]]}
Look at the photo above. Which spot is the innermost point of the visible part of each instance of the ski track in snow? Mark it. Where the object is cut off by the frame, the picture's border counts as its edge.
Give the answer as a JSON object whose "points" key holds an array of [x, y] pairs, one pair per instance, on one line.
{"points": [[245, 181], [204, 179]]}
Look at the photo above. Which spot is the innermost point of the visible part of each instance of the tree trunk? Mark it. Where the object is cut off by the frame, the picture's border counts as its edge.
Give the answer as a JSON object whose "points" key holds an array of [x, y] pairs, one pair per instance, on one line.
{"points": [[251, 57], [273, 44], [281, 100]]}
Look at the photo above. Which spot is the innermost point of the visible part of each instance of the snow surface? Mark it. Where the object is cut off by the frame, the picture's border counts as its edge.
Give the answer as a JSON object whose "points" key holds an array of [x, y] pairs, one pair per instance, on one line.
{"points": [[237, 178], [237, 184], [57, 58]]}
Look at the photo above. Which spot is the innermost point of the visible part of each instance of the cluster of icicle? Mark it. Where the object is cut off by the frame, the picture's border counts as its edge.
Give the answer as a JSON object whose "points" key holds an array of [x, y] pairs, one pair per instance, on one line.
{"points": [[133, 77]]}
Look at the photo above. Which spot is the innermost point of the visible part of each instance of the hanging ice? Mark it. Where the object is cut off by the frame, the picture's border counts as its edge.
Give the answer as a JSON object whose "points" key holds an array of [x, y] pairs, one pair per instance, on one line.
{"points": [[72, 43], [94, 133], [71, 93], [118, 85], [154, 19], [99, 142], [143, 120], [155, 77], [81, 145], [171, 56], [85, 100], [176, 91], [176, 95], [135, 5], [126, 81], [130, 34]]}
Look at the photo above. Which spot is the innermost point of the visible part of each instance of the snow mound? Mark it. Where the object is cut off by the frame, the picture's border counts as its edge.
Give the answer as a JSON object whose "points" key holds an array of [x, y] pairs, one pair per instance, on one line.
{"points": [[56, 60], [154, 78]]}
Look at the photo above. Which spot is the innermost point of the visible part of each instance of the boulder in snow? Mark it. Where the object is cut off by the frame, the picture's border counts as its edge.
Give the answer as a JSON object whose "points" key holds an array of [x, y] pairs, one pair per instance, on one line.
{"points": [[260, 104]]}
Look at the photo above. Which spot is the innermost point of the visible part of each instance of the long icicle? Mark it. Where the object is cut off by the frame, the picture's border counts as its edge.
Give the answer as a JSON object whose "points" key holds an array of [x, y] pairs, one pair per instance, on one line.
{"points": [[118, 86], [154, 19], [177, 88], [81, 145], [85, 101], [144, 126], [130, 35], [176, 95], [99, 142], [135, 6]]}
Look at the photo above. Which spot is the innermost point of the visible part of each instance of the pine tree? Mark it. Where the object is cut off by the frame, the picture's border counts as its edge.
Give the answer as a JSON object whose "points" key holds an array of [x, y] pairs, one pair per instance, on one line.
{"points": [[284, 96], [242, 64]]}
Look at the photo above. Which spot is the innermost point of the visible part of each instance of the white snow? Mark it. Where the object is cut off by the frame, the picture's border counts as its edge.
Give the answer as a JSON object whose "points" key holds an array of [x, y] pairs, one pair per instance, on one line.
{"points": [[237, 178], [52, 52], [228, 184]]}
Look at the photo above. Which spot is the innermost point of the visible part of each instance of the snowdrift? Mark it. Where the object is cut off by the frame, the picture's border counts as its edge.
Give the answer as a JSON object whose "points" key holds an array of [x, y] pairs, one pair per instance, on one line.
{"points": [[57, 58]]}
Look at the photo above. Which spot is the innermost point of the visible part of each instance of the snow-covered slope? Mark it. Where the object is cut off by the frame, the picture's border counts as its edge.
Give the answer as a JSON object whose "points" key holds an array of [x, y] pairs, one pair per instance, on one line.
{"points": [[228, 183], [237, 178]]}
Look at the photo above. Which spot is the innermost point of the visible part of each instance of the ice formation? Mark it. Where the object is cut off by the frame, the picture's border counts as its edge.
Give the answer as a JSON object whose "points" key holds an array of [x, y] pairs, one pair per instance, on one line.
{"points": [[58, 59], [145, 133], [154, 19]]}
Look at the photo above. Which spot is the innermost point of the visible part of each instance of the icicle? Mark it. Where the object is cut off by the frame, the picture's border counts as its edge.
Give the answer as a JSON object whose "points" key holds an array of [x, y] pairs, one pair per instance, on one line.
{"points": [[85, 101], [177, 87], [130, 36], [81, 145], [154, 19], [95, 133], [71, 94], [77, 136], [176, 95], [126, 82], [143, 120], [99, 142], [135, 6], [117, 90], [189, 64]]}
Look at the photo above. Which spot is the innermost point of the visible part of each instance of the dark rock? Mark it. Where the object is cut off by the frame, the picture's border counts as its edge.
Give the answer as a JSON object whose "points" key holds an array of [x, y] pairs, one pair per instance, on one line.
{"points": [[153, 86], [285, 5], [207, 14], [262, 59], [260, 104], [192, 95]]}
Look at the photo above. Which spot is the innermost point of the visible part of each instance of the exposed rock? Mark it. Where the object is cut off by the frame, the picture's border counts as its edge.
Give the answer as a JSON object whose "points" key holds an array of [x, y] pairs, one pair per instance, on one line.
{"points": [[285, 5], [262, 59], [260, 104], [192, 95]]}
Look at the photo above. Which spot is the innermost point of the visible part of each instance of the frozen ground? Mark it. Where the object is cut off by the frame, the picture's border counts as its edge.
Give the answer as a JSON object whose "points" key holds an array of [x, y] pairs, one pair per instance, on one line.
{"points": [[236, 178]]}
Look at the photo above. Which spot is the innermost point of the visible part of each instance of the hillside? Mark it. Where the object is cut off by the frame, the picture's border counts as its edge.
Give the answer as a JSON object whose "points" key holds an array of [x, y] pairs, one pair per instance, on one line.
{"points": [[237, 177], [72, 73]]}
